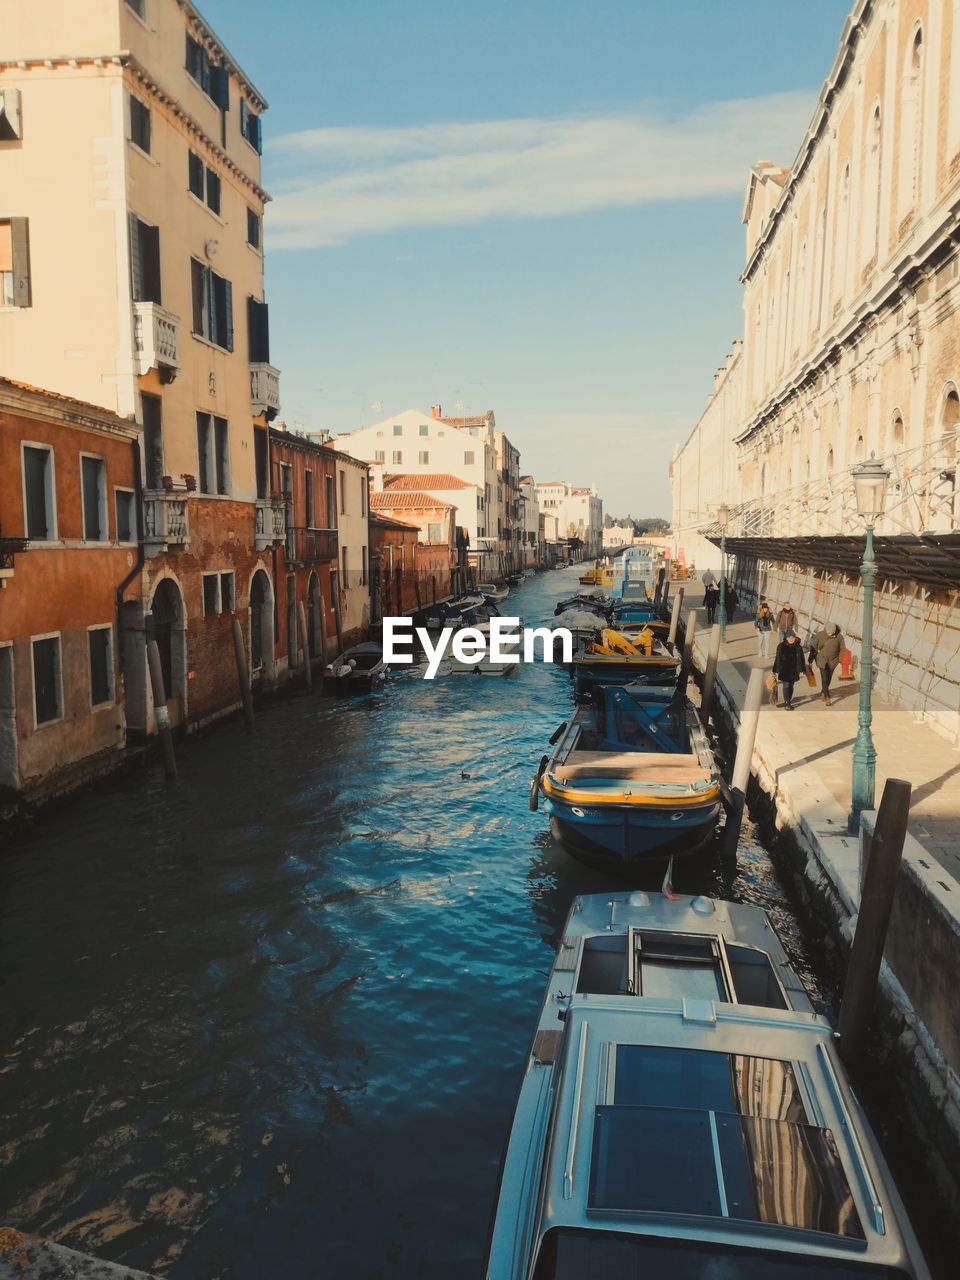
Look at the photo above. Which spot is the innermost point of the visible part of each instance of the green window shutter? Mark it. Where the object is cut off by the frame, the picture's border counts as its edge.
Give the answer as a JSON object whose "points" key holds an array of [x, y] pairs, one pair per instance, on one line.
{"points": [[20, 235], [136, 260], [228, 304]]}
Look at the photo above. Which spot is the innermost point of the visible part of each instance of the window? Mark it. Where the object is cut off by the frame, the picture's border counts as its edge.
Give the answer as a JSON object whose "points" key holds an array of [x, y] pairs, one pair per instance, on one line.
{"points": [[343, 493], [203, 182], [213, 79], [212, 452], [93, 493], [397, 457], [14, 263], [424, 429], [363, 495], [212, 306], [211, 594], [398, 429], [139, 124], [468, 458], [100, 641], [47, 692], [227, 593], [144, 261], [308, 492], [379, 456], [363, 566], [258, 331], [254, 228], [250, 126], [433, 533], [343, 562], [152, 440], [40, 518], [424, 456], [126, 513], [139, 7]]}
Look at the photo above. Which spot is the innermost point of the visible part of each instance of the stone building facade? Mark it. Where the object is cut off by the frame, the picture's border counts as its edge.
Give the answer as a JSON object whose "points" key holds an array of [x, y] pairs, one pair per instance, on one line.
{"points": [[851, 349]]}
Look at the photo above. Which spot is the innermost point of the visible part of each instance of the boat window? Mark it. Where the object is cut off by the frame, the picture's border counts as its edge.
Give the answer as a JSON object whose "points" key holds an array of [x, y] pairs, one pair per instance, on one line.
{"points": [[685, 1161], [649, 1076], [568, 1254], [754, 978]]}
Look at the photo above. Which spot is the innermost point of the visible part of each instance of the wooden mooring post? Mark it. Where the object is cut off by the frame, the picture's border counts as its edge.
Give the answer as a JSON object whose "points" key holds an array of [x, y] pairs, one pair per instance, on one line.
{"points": [[873, 919], [243, 675], [710, 674], [746, 736], [322, 619], [304, 641], [674, 619], [338, 620], [665, 597], [686, 660], [164, 731]]}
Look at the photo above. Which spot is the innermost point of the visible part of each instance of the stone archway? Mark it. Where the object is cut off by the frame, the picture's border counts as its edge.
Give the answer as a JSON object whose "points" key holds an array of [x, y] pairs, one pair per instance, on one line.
{"points": [[166, 624], [261, 626]]}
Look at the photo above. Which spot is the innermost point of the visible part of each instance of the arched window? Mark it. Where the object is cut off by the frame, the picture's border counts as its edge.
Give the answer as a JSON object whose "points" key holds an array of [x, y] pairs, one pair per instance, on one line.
{"points": [[858, 451], [843, 236], [950, 413], [797, 334], [911, 125], [953, 117], [896, 431], [829, 461], [872, 178]]}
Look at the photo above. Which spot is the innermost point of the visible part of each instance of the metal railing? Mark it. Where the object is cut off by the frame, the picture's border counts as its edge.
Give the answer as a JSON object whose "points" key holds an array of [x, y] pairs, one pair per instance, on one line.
{"points": [[311, 546]]}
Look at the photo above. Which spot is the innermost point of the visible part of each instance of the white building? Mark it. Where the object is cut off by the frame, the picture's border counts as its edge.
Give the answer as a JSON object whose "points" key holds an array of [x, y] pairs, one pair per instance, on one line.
{"points": [[579, 513], [530, 522]]}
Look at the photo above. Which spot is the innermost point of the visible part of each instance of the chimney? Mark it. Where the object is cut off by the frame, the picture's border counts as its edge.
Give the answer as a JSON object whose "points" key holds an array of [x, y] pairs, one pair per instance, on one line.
{"points": [[435, 410]]}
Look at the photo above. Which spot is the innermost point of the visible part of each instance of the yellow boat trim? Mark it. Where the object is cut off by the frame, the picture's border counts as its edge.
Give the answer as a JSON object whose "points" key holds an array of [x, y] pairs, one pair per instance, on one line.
{"points": [[575, 796]]}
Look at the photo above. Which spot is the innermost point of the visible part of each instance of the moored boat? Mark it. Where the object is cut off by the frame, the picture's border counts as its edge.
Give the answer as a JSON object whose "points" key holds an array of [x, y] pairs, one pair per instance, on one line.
{"points": [[490, 591], [641, 658], [632, 779], [359, 669], [683, 1113]]}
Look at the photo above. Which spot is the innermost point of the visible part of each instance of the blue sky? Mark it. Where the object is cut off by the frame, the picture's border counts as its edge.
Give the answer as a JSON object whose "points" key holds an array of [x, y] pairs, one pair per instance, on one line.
{"points": [[528, 206]]}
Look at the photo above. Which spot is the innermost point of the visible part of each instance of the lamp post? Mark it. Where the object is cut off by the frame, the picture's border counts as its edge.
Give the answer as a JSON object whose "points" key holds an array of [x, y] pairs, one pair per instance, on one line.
{"points": [[870, 484], [723, 519]]}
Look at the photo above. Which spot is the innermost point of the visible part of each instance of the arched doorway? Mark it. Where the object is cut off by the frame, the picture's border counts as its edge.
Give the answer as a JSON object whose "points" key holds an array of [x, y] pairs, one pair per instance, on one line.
{"points": [[261, 625], [166, 627]]}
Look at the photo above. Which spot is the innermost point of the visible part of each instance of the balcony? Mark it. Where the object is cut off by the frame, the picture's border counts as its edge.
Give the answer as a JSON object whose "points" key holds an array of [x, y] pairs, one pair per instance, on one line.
{"points": [[312, 546], [165, 525], [156, 340], [270, 528], [264, 389]]}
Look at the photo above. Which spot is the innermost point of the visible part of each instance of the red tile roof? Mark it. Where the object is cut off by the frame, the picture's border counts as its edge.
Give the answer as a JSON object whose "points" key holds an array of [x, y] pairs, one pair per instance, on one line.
{"points": [[56, 395], [386, 523], [420, 483], [391, 501]]}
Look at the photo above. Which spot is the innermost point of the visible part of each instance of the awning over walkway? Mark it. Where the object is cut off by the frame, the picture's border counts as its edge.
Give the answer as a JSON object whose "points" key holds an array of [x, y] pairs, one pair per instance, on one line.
{"points": [[931, 559]]}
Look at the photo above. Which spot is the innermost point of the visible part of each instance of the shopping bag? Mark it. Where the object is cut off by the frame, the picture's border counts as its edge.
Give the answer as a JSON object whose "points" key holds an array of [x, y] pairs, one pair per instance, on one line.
{"points": [[771, 682], [811, 676]]}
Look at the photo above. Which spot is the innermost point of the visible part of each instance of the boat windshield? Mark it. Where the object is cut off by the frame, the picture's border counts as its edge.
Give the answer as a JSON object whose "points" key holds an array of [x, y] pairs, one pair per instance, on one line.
{"points": [[576, 1254]]}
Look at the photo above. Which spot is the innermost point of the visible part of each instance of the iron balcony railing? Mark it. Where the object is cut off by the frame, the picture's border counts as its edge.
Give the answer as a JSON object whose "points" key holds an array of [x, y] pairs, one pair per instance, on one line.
{"points": [[311, 546]]}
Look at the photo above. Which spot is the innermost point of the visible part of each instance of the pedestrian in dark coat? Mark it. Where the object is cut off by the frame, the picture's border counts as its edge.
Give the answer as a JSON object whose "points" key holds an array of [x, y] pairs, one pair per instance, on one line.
{"points": [[731, 602], [711, 598], [788, 665], [825, 650]]}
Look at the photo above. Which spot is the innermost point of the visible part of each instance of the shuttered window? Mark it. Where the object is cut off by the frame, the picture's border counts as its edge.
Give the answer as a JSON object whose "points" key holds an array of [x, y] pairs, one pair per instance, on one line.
{"points": [[212, 78], [101, 666], [253, 228], [258, 329], [212, 305], [140, 124], [93, 490], [152, 440], [195, 168], [38, 493], [212, 454], [144, 261], [308, 496], [250, 126], [46, 680], [14, 263], [126, 514], [203, 182]]}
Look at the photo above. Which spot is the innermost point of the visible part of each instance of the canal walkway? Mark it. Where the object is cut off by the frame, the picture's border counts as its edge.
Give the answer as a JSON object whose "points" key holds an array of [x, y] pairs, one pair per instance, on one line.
{"points": [[812, 748]]}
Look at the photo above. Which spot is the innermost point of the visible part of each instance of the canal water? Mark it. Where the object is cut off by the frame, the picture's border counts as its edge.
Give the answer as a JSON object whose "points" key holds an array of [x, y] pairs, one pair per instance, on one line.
{"points": [[267, 1021]]}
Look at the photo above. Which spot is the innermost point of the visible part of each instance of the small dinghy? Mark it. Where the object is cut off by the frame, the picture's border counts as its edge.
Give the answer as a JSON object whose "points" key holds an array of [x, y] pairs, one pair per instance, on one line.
{"points": [[358, 670], [683, 1114], [490, 591]]}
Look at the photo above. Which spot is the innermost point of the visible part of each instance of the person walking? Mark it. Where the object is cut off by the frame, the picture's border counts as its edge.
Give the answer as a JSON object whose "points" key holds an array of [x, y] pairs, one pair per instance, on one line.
{"points": [[825, 650], [764, 625], [731, 602], [711, 598], [788, 665], [786, 620]]}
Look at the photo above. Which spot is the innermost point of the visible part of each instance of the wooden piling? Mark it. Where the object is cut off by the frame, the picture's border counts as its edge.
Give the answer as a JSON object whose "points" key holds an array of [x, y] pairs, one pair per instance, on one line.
{"points": [[665, 597], [873, 919], [416, 588], [304, 640], [243, 675], [338, 619], [164, 731], [433, 587], [710, 675], [746, 736], [686, 660], [675, 619], [322, 621]]}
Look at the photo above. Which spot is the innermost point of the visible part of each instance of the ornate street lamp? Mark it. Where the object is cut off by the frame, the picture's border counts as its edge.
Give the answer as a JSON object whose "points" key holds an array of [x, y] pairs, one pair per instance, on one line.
{"points": [[723, 519], [870, 485]]}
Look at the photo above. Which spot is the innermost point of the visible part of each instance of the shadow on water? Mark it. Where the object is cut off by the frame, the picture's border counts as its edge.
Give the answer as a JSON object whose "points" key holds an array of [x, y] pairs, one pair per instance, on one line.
{"points": [[268, 1021]]}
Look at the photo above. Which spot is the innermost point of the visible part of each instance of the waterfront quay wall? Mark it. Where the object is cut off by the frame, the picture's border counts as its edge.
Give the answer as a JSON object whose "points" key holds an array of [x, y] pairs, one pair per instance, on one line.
{"points": [[916, 1004], [916, 631]]}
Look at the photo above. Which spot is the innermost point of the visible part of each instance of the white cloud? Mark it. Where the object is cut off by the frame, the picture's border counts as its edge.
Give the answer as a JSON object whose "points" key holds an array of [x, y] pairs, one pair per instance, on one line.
{"points": [[332, 185]]}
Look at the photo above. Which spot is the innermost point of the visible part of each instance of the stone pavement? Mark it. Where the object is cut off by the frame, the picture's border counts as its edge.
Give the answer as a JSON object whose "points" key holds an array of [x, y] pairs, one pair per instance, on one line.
{"points": [[809, 749]]}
